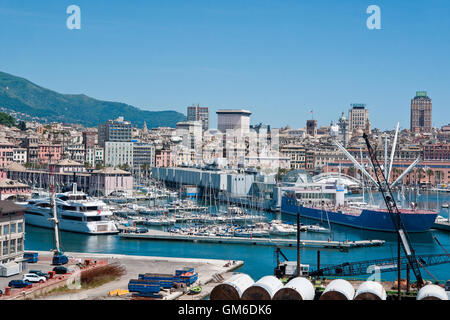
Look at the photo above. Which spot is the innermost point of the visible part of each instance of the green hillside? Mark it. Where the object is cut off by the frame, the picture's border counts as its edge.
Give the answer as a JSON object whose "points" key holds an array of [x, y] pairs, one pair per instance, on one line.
{"points": [[21, 95]]}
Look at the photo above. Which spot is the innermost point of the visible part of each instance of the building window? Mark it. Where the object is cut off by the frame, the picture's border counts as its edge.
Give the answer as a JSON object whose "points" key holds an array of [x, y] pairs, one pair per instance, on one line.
{"points": [[5, 247], [20, 227], [13, 246], [19, 244], [6, 229]]}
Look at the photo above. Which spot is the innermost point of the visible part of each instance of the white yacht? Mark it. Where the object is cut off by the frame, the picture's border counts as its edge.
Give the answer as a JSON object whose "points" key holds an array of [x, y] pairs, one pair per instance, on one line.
{"points": [[282, 229], [76, 213]]}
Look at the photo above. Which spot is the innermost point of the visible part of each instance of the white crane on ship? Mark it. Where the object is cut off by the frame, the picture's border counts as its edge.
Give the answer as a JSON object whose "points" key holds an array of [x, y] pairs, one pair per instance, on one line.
{"points": [[387, 164]]}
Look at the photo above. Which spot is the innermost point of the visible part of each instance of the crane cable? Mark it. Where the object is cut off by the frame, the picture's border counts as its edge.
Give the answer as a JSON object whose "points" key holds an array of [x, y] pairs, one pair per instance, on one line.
{"points": [[439, 243]]}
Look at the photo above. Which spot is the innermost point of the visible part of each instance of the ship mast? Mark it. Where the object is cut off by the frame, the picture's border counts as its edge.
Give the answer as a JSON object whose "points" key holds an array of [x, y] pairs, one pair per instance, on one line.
{"points": [[53, 201]]}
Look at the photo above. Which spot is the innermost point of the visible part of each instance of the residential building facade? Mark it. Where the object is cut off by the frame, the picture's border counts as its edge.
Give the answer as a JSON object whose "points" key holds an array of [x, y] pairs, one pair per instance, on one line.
{"points": [[12, 231]]}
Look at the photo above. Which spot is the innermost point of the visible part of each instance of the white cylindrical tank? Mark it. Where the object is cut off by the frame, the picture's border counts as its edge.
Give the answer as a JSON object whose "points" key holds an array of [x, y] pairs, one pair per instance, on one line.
{"points": [[432, 292], [370, 290], [338, 289], [263, 289], [297, 289], [233, 288]]}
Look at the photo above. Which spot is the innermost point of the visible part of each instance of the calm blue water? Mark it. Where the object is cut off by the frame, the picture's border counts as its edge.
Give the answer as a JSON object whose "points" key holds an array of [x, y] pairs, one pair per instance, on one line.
{"points": [[260, 260]]}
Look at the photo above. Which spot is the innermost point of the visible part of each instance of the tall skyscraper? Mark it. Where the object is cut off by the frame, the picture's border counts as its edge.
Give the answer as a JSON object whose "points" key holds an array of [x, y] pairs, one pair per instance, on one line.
{"points": [[358, 116], [197, 113], [421, 112]]}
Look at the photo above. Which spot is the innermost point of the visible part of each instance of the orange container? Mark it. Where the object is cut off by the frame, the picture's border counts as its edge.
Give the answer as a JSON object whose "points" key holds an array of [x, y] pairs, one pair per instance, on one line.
{"points": [[7, 291]]}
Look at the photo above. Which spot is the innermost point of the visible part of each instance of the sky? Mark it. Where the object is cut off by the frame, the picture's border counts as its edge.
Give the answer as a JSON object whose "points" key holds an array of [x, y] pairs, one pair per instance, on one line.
{"points": [[279, 59]]}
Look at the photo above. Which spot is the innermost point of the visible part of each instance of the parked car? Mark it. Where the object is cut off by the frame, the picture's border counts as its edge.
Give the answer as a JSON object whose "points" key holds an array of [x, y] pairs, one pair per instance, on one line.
{"points": [[60, 270], [60, 259], [19, 284], [40, 273], [141, 230], [32, 277], [447, 286]]}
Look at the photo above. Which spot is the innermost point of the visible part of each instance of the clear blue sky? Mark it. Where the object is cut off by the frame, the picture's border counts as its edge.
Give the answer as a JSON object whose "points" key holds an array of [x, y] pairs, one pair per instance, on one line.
{"points": [[277, 58]]}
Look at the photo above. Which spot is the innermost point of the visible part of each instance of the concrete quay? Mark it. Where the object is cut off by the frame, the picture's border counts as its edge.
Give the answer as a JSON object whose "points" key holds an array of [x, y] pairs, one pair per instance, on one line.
{"points": [[167, 236], [443, 225], [208, 271]]}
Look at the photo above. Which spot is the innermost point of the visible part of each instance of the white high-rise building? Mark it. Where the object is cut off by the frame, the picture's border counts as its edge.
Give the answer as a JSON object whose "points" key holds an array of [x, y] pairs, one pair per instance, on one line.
{"points": [[118, 154], [358, 117], [233, 119]]}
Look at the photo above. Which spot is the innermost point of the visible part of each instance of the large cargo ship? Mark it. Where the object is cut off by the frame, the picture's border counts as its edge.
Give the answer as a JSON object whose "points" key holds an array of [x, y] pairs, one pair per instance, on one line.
{"points": [[327, 202]]}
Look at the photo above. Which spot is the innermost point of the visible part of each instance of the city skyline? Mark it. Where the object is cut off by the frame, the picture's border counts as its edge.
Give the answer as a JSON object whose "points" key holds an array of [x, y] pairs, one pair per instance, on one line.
{"points": [[322, 57], [201, 150]]}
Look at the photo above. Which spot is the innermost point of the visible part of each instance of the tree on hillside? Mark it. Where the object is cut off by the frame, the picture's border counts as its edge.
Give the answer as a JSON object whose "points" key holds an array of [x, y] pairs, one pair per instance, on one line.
{"points": [[22, 126], [7, 120]]}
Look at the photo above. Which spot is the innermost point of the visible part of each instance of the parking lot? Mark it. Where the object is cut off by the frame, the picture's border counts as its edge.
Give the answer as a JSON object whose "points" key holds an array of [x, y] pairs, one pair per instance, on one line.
{"points": [[44, 264]]}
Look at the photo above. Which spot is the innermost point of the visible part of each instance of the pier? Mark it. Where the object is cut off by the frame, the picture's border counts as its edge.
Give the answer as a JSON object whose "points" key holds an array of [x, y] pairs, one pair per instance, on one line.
{"points": [[167, 236], [443, 224]]}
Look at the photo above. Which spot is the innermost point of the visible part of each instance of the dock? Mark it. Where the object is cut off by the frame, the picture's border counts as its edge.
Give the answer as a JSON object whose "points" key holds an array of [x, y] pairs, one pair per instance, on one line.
{"points": [[442, 224], [279, 242]]}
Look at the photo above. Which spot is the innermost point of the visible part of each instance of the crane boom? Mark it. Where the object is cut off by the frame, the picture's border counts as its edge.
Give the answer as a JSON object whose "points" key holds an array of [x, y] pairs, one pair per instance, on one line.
{"points": [[412, 165], [391, 160], [385, 189], [350, 269], [352, 159]]}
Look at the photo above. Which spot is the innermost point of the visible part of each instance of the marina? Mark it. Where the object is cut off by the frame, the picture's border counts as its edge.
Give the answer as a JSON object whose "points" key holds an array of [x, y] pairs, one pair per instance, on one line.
{"points": [[256, 257]]}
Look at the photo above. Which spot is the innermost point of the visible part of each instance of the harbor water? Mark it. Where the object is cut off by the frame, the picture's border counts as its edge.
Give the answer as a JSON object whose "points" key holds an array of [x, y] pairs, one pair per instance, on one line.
{"points": [[261, 260]]}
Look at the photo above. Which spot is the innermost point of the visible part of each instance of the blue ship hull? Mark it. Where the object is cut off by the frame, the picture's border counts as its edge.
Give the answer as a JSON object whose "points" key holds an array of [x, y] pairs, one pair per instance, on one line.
{"points": [[368, 219]]}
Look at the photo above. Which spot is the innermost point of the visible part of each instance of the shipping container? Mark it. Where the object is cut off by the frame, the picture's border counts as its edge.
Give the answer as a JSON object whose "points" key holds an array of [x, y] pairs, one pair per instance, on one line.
{"points": [[32, 257]]}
